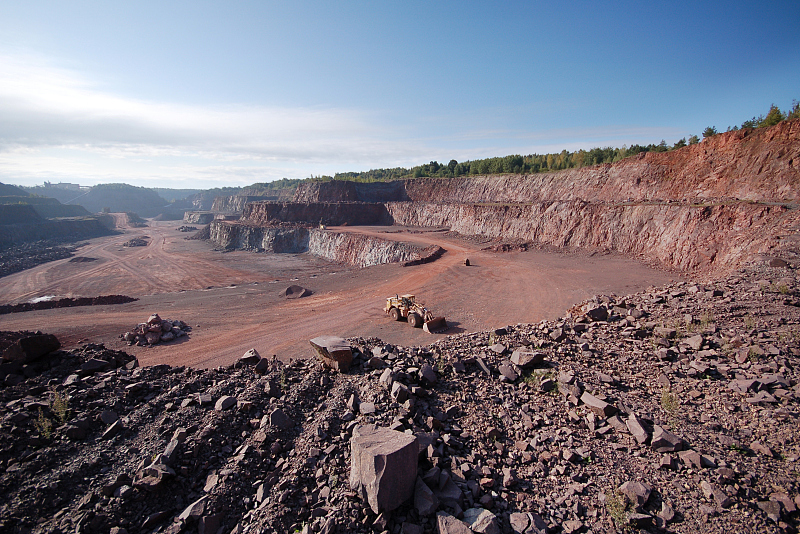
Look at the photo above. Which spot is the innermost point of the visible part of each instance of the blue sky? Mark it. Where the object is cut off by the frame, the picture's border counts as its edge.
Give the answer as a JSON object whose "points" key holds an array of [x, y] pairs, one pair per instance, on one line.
{"points": [[209, 94]]}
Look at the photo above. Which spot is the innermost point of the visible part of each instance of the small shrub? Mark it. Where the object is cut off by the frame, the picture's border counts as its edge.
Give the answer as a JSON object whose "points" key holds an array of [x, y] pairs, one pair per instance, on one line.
{"points": [[44, 425], [670, 402], [617, 507], [749, 322], [59, 405]]}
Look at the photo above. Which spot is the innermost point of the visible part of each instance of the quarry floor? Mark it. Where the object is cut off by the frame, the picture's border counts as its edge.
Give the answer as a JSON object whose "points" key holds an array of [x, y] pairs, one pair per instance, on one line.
{"points": [[232, 299]]}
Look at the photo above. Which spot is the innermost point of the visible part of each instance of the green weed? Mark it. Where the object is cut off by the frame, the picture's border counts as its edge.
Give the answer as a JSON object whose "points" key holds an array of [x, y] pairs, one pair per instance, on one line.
{"points": [[44, 425]]}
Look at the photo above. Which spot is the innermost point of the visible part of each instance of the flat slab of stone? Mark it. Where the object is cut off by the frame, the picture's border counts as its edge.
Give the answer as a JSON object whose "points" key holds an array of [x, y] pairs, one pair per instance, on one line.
{"points": [[526, 359], [334, 352], [383, 466], [599, 407]]}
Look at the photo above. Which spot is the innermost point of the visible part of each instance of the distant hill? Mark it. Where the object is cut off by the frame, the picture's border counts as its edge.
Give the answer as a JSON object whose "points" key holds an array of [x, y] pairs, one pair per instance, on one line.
{"points": [[12, 191], [119, 198]]}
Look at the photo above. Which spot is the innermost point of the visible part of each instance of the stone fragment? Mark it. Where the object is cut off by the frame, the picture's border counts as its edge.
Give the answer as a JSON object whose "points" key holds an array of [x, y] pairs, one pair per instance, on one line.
{"points": [[695, 342], [481, 521], [599, 407], [425, 501], [772, 509], [366, 408], [663, 441], [108, 417], [639, 520], [30, 347], [691, 458], [295, 292], [637, 429], [383, 466], [498, 348], [507, 371], [113, 430], [261, 367], [447, 524], [760, 448], [427, 375], [526, 359], [334, 352], [251, 357], [400, 392], [224, 403], [637, 492], [151, 477], [279, 419], [194, 511]]}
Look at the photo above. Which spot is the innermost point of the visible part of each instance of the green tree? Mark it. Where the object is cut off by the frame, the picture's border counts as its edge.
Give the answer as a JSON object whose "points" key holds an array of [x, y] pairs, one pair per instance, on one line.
{"points": [[773, 117], [693, 139], [795, 112], [709, 131], [680, 143]]}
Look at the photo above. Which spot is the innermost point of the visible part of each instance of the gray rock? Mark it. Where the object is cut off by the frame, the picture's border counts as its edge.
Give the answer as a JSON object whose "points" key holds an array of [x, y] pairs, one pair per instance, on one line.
{"points": [[383, 466], [251, 357], [599, 407], [482, 521], [525, 359], [427, 375], [400, 392], [194, 511], [637, 429], [279, 419], [366, 408], [224, 403], [108, 417], [507, 371], [334, 352], [113, 430], [425, 501], [695, 342], [663, 441], [447, 524], [637, 492]]}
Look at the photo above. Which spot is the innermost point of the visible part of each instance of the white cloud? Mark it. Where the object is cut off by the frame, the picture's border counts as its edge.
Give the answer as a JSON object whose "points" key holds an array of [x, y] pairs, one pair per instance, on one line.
{"points": [[57, 124]]}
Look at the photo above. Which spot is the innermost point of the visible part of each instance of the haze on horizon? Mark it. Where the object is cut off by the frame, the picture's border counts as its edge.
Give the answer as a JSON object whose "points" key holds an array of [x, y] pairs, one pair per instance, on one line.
{"points": [[201, 95]]}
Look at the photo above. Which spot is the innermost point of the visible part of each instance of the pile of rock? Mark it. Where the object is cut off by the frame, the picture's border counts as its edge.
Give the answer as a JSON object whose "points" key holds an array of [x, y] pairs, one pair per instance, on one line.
{"points": [[136, 242], [185, 228], [156, 330], [671, 410]]}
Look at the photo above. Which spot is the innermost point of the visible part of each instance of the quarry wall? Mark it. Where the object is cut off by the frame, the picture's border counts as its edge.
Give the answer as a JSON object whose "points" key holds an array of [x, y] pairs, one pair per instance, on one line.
{"points": [[352, 249], [329, 213], [696, 237], [752, 165]]}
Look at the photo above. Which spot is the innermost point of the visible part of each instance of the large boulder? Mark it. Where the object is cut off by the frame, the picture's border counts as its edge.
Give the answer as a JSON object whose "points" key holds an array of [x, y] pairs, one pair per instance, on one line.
{"points": [[383, 466], [334, 352], [26, 347]]}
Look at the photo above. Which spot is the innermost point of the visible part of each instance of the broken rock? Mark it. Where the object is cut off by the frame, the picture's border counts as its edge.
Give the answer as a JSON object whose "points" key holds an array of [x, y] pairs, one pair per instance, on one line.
{"points": [[334, 352], [383, 466]]}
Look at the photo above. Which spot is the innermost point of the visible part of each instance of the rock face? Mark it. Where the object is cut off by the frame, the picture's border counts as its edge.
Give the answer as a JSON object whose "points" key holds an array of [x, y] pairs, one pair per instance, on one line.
{"points": [[353, 249], [334, 352], [383, 466]]}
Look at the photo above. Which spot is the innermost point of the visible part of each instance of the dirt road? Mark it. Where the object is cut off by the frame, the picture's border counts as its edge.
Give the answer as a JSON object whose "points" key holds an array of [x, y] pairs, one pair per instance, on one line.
{"points": [[232, 299]]}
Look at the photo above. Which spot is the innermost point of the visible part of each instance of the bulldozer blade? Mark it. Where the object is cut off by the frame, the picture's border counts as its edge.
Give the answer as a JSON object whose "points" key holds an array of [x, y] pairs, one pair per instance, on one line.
{"points": [[435, 325]]}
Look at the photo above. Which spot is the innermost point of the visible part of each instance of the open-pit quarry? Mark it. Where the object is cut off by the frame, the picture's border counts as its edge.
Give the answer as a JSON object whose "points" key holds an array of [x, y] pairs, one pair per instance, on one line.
{"points": [[623, 354]]}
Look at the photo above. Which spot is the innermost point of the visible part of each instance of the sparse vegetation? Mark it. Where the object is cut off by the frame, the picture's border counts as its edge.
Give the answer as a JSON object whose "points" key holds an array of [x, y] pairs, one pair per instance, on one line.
{"points": [[617, 506], [43, 425], [59, 405], [670, 402]]}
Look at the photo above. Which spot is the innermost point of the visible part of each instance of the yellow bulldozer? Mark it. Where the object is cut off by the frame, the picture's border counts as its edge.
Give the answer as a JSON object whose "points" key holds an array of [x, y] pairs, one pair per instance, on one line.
{"points": [[406, 307]]}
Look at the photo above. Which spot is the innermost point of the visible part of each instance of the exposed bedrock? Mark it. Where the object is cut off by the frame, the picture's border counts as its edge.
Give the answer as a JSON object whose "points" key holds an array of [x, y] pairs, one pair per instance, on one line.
{"points": [[353, 249], [753, 165], [332, 213], [686, 237], [236, 203]]}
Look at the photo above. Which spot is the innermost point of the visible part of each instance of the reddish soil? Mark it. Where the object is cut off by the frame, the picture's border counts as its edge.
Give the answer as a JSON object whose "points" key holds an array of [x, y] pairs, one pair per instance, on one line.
{"points": [[232, 299]]}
